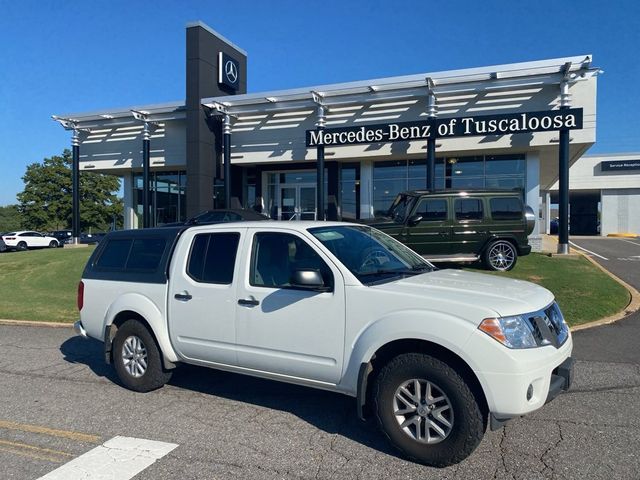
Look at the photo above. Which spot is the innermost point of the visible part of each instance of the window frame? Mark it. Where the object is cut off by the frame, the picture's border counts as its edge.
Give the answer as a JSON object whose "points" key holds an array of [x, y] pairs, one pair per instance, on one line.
{"points": [[513, 219], [469, 220], [416, 210], [206, 250], [252, 262]]}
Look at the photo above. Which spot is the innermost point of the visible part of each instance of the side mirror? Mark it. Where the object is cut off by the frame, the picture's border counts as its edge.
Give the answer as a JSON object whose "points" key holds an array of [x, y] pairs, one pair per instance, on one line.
{"points": [[414, 220], [308, 280]]}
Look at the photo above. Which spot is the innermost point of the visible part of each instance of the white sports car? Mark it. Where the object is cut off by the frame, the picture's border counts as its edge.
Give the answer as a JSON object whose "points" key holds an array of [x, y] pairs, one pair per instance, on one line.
{"points": [[27, 239]]}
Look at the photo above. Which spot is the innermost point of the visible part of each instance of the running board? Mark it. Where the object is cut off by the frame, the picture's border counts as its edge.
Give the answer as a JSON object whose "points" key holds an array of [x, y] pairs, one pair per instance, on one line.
{"points": [[448, 258]]}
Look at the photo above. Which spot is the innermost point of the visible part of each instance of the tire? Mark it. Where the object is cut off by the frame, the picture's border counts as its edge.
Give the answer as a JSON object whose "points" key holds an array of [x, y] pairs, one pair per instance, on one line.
{"points": [[133, 338], [452, 400], [53, 244], [500, 256], [21, 247]]}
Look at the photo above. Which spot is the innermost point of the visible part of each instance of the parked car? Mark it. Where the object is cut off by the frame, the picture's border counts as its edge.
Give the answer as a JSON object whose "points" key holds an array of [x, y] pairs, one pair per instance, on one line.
{"points": [[221, 215], [433, 355], [63, 236], [461, 225], [3, 246], [91, 238], [28, 239]]}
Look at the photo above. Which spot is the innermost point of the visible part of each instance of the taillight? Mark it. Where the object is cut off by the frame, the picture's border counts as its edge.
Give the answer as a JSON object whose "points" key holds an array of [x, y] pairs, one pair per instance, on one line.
{"points": [[9, 238], [80, 295]]}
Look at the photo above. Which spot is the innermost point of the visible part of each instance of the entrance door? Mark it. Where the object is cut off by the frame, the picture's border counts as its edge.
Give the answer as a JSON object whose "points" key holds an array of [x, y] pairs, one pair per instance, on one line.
{"points": [[297, 202]]}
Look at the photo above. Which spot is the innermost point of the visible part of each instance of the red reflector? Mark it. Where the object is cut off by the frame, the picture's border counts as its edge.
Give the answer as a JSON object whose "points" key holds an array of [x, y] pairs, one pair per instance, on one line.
{"points": [[80, 295]]}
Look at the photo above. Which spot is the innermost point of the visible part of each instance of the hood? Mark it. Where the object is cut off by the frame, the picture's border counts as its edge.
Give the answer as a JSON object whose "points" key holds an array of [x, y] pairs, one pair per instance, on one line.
{"points": [[379, 222], [452, 289]]}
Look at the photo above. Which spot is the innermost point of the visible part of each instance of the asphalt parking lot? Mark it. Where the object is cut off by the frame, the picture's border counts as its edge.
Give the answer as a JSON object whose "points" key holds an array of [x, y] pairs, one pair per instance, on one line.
{"points": [[59, 400]]}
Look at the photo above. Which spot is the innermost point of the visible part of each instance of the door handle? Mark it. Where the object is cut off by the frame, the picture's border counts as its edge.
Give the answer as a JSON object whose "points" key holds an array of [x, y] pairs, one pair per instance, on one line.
{"points": [[183, 297], [248, 302]]}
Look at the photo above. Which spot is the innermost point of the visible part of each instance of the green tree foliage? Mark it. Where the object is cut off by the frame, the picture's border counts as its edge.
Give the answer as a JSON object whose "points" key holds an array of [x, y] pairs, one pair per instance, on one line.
{"points": [[45, 202], [10, 218]]}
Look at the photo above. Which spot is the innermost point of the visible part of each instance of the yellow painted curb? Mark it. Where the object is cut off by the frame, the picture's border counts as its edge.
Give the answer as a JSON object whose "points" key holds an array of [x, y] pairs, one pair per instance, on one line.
{"points": [[623, 235]]}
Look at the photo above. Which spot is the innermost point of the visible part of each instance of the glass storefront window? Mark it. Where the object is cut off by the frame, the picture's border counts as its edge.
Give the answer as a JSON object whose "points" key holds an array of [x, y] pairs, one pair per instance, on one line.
{"points": [[350, 191], [168, 196], [489, 171]]}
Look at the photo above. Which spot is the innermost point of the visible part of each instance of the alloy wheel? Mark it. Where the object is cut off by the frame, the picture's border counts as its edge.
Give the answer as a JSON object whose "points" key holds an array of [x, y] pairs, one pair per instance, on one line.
{"points": [[501, 256], [134, 356], [423, 411]]}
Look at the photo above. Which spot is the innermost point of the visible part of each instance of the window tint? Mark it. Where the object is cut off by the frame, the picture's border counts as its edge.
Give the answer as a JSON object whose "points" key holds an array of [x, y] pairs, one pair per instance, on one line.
{"points": [[276, 256], [213, 257], [432, 209], [115, 254], [468, 209], [508, 208], [146, 253]]}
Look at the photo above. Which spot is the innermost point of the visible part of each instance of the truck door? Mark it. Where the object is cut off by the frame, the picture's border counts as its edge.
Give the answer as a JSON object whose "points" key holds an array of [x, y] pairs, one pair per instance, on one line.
{"points": [[281, 329], [469, 229], [202, 295], [432, 236]]}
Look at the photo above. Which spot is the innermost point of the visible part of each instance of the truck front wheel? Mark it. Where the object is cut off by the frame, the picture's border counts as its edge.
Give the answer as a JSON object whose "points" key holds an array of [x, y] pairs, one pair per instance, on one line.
{"points": [[137, 358], [427, 410]]}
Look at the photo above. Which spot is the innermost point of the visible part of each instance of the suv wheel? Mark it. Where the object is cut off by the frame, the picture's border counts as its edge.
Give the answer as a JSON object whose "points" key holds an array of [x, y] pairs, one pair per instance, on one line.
{"points": [[500, 255], [137, 358], [427, 410]]}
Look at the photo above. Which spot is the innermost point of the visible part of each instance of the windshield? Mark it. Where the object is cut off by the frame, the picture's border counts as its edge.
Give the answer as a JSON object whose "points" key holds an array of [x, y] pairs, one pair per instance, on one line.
{"points": [[400, 208], [369, 254]]}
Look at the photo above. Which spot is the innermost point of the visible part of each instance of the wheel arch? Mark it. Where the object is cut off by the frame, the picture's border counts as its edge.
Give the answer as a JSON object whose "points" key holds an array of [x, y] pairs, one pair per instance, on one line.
{"points": [[369, 370], [148, 315]]}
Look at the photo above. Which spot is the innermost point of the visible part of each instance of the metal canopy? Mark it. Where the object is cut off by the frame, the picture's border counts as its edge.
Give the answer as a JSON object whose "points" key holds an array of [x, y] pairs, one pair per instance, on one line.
{"points": [[497, 78]]}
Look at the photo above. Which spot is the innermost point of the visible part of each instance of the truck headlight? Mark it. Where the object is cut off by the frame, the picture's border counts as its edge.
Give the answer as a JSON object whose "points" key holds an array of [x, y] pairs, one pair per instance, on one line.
{"points": [[512, 332]]}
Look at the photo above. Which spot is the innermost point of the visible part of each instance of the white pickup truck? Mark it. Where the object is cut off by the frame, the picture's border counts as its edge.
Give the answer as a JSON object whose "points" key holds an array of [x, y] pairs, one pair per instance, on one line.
{"points": [[433, 355]]}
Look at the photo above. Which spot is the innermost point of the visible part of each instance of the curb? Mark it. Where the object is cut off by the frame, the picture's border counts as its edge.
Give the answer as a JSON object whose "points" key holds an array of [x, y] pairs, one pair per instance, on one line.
{"points": [[622, 235], [33, 323]]}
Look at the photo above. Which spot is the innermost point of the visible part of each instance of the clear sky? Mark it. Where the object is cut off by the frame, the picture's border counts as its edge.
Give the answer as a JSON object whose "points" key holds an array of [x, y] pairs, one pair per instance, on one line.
{"points": [[67, 56]]}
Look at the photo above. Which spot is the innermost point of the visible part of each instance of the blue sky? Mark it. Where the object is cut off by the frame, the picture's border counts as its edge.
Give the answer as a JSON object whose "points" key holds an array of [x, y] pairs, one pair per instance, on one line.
{"points": [[66, 56]]}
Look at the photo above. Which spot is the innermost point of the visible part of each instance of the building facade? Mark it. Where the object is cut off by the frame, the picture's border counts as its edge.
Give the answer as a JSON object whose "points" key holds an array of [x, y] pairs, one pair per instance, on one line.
{"points": [[494, 127], [604, 195]]}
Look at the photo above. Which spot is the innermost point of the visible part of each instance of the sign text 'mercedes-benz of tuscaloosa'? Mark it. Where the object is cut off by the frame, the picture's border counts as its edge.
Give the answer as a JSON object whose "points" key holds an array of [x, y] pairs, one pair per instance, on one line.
{"points": [[503, 124]]}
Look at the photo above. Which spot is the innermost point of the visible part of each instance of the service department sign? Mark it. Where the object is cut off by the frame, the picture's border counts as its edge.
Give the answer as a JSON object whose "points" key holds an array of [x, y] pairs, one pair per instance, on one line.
{"points": [[228, 71], [617, 165], [503, 124]]}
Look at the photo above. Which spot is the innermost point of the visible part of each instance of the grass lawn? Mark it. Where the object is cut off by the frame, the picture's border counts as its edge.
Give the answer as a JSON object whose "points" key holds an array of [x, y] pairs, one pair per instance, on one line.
{"points": [[582, 290], [41, 284]]}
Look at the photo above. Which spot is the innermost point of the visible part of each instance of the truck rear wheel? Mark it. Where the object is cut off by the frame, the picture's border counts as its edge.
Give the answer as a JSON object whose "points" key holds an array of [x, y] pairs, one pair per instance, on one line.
{"points": [[427, 410], [137, 358]]}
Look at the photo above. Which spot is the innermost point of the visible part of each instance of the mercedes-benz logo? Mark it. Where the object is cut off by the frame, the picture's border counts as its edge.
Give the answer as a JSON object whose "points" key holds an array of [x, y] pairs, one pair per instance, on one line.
{"points": [[231, 71]]}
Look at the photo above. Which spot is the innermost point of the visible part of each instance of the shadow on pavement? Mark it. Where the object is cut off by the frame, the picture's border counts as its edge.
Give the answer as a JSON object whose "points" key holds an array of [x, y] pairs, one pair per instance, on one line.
{"points": [[89, 352], [331, 412]]}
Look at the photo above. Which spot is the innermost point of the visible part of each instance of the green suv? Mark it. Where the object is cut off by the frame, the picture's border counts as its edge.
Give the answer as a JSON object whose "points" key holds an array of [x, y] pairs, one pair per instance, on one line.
{"points": [[461, 225]]}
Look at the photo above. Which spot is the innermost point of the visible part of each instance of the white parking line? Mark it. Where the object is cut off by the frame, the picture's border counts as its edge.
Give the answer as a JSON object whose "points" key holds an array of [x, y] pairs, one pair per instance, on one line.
{"points": [[628, 241], [121, 458], [588, 251]]}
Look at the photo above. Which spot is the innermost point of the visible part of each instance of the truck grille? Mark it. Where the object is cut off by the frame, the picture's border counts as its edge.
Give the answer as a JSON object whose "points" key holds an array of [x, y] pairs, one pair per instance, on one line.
{"points": [[548, 326]]}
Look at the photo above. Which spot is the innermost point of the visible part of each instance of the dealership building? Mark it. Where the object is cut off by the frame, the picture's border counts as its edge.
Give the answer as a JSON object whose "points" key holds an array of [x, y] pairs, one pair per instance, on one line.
{"points": [[347, 148], [604, 195]]}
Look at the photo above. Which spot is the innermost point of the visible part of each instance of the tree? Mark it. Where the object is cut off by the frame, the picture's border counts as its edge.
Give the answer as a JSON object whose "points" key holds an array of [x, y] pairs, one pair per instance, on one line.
{"points": [[10, 218], [46, 201]]}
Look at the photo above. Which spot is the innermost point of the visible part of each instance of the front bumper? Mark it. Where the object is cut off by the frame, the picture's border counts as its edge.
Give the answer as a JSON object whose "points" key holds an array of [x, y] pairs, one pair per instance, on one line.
{"points": [[79, 329], [561, 379]]}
